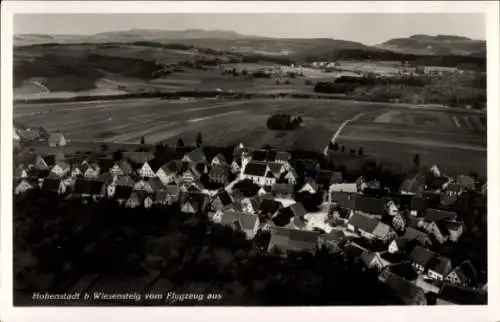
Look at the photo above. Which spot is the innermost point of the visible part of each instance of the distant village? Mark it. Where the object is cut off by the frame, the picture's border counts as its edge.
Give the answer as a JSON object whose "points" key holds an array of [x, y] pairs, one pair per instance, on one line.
{"points": [[257, 190]]}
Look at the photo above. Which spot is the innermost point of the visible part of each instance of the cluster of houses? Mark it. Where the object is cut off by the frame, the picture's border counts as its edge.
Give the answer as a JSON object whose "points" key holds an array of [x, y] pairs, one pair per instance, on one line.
{"points": [[360, 214]]}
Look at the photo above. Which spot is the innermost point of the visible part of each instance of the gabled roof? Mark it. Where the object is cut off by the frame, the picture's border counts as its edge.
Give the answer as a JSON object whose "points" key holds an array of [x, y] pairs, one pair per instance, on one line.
{"points": [[173, 189], [421, 256], [105, 164], [154, 164], [462, 295], [275, 168], [413, 185], [247, 221], [269, 206], [353, 250], [293, 239], [414, 234], [220, 170], [105, 177], [405, 290], [171, 167], [55, 137], [63, 165], [160, 195], [334, 235], [156, 184], [439, 214], [125, 180], [326, 178], [363, 222], [312, 183], [282, 156], [196, 155], [255, 169], [224, 197], [370, 205], [283, 188], [344, 199], [124, 165], [294, 210], [221, 158], [50, 160], [439, 264], [122, 192]]}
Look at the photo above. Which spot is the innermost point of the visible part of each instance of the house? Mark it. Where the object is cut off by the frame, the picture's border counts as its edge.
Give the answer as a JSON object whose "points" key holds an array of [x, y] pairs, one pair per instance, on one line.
{"points": [[167, 172], [257, 172], [54, 185], [454, 189], [419, 236], [437, 229], [195, 186], [250, 205], [194, 203], [455, 230], [439, 215], [289, 176], [218, 160], [57, 139], [295, 210], [92, 171], [126, 181], [89, 188], [104, 165], [136, 199], [353, 251], [219, 174], [260, 155], [149, 185], [310, 186], [20, 173], [195, 156], [326, 178], [406, 291], [45, 163], [282, 190], [370, 228], [343, 187], [235, 166], [247, 223], [269, 208], [372, 206], [29, 134], [149, 168], [277, 169], [25, 185], [121, 168], [438, 183], [418, 206], [439, 267], [173, 193], [413, 186], [286, 240], [333, 240], [344, 200], [60, 169], [121, 193], [221, 200], [373, 260], [467, 182], [451, 294], [464, 274], [420, 258], [282, 157]]}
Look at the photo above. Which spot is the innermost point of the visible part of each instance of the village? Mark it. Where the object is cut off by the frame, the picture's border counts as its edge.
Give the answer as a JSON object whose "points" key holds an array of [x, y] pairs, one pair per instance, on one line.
{"points": [[263, 190]]}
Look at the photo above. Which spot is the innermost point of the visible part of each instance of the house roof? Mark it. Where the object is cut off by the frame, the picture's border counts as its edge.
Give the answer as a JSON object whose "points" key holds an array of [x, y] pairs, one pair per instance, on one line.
{"points": [[344, 199], [105, 177], [122, 192], [51, 184], [160, 195], [221, 158], [138, 158], [275, 167], [196, 155], [156, 184], [282, 156], [334, 235], [283, 188], [353, 250], [197, 200], [124, 165], [326, 178], [55, 137], [50, 159], [414, 234], [139, 195], [255, 169], [345, 187], [466, 181], [171, 167], [311, 182], [247, 221], [269, 206], [454, 187], [363, 222], [63, 165], [155, 164], [294, 210], [439, 214], [173, 189], [421, 256], [462, 295], [105, 164], [224, 197], [370, 205], [413, 185], [382, 230], [125, 180], [220, 170], [405, 290], [437, 183], [440, 264], [466, 270], [293, 239]]}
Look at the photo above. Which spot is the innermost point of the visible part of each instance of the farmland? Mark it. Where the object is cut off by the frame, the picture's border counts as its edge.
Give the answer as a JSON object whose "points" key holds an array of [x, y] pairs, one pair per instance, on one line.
{"points": [[454, 138]]}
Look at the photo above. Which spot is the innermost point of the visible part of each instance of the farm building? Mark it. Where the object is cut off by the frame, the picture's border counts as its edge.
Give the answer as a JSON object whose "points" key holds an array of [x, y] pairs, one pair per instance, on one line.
{"points": [[57, 139]]}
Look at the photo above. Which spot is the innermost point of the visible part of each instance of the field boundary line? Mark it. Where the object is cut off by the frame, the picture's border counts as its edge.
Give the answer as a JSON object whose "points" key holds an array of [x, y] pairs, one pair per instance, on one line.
{"points": [[341, 127]]}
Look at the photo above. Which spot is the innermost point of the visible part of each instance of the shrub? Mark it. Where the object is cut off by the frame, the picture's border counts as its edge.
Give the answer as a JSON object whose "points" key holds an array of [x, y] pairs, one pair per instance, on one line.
{"points": [[283, 122]]}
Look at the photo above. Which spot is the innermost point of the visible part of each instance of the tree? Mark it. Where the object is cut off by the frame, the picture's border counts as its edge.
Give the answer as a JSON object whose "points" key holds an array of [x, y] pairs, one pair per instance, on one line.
{"points": [[199, 140], [342, 149], [247, 187], [416, 160], [118, 155], [336, 147], [352, 151], [360, 151], [142, 140], [310, 201], [104, 147], [180, 144]]}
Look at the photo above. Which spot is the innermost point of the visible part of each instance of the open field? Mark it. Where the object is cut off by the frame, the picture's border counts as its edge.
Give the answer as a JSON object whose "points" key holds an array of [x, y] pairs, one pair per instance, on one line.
{"points": [[453, 138]]}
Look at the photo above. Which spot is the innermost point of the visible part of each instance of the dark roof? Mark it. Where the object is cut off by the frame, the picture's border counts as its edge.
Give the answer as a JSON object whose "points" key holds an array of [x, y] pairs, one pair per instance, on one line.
{"points": [[293, 239], [454, 187], [122, 192], [325, 177], [156, 184], [224, 197], [138, 158], [462, 295], [421, 255], [466, 181], [405, 290], [440, 264], [170, 167], [221, 158], [160, 195], [269, 206], [173, 189], [352, 250], [437, 183], [334, 235], [282, 156], [50, 160], [125, 180], [105, 177], [155, 164], [196, 155], [363, 222], [51, 184], [255, 169], [91, 187], [466, 270], [438, 215], [275, 167], [197, 200], [343, 199], [260, 155], [370, 205], [414, 234], [247, 221], [105, 164], [294, 210], [284, 188], [220, 170]]}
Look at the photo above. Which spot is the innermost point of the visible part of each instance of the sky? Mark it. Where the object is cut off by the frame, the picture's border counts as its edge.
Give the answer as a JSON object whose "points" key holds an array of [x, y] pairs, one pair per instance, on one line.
{"points": [[368, 28]]}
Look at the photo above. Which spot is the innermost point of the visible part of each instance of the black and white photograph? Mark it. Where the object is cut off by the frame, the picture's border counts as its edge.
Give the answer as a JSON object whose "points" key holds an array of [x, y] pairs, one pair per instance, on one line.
{"points": [[249, 159]]}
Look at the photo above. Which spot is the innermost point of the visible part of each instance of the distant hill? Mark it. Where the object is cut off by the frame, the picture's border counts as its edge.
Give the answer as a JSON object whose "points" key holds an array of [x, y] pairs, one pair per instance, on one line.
{"points": [[436, 45]]}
